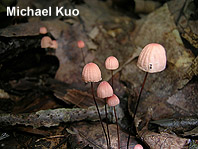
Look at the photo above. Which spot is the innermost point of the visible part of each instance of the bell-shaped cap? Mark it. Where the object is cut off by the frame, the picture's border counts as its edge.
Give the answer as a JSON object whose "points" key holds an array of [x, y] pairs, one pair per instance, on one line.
{"points": [[46, 42], [152, 58], [54, 44], [43, 30], [81, 44], [104, 90], [91, 73], [138, 146], [111, 63], [113, 101]]}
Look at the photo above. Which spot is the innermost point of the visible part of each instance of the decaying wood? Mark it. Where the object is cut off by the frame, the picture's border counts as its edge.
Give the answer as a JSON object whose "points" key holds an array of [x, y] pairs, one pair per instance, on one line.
{"points": [[182, 123], [48, 118]]}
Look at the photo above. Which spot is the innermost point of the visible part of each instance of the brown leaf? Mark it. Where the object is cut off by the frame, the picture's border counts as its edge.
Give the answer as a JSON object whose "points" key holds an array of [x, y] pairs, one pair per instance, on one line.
{"points": [[92, 135], [163, 140]]}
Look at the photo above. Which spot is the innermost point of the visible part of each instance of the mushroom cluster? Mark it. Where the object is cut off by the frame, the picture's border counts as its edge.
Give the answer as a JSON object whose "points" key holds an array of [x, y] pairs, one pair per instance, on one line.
{"points": [[91, 73], [152, 59], [46, 41]]}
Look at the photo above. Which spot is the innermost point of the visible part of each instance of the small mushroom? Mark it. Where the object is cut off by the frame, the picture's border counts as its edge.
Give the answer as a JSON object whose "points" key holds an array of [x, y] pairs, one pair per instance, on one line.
{"points": [[152, 59], [43, 30], [105, 90], [81, 45], [138, 146], [91, 73], [46, 42], [112, 64], [112, 102], [54, 44]]}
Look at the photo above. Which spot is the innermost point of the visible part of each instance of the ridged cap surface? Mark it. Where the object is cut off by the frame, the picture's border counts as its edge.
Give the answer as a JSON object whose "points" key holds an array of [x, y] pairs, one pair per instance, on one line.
{"points": [[152, 58], [91, 73], [111, 63], [113, 101], [104, 90]]}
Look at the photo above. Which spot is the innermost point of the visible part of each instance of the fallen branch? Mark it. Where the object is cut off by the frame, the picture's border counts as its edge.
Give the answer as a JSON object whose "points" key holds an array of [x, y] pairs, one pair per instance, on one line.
{"points": [[48, 118]]}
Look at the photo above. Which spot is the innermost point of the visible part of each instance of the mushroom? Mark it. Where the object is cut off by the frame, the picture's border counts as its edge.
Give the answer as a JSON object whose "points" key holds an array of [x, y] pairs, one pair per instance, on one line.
{"points": [[46, 42], [43, 30], [112, 102], [138, 146], [105, 90], [111, 63], [81, 45], [54, 44], [91, 73], [152, 59]]}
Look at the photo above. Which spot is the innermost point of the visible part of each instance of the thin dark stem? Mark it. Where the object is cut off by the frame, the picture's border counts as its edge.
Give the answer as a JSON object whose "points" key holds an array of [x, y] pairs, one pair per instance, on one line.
{"points": [[112, 78], [117, 127], [83, 55], [92, 88], [138, 101], [107, 122]]}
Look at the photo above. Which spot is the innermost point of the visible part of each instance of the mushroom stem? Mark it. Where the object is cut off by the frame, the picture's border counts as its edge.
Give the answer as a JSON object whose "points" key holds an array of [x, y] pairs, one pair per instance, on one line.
{"points": [[107, 123], [112, 78], [83, 56], [138, 101], [92, 88], [117, 127]]}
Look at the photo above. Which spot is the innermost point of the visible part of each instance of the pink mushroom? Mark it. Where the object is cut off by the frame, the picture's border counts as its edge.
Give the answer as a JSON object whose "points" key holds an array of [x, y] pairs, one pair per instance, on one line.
{"points": [[54, 44], [81, 45], [152, 59], [46, 42], [105, 90], [91, 73], [112, 102], [43, 30], [138, 146], [112, 64]]}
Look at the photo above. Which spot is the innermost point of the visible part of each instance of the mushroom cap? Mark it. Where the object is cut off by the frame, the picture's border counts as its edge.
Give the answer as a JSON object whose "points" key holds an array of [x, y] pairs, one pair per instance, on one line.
{"points": [[138, 146], [111, 63], [43, 30], [104, 90], [91, 73], [113, 101], [152, 58], [54, 44], [46, 42], [81, 44]]}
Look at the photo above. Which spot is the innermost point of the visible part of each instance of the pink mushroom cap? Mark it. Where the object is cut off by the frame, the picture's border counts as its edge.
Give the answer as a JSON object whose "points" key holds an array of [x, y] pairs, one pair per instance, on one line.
{"points": [[113, 101], [54, 44], [104, 90], [138, 146], [46, 42], [43, 30], [81, 44], [111, 63], [91, 73], [152, 58]]}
